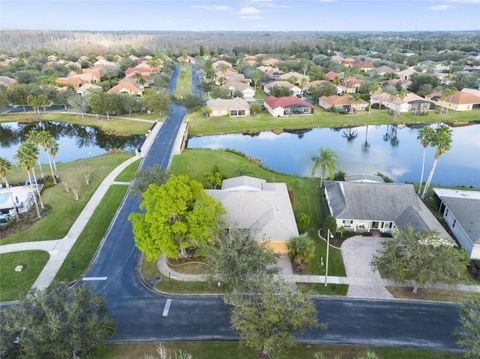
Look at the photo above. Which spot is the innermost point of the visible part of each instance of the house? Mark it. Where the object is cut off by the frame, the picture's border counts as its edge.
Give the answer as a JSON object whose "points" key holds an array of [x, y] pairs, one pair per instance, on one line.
{"points": [[235, 107], [271, 62], [475, 92], [442, 77], [461, 211], [312, 84], [7, 81], [217, 65], [364, 178], [297, 91], [86, 89], [434, 96], [331, 75], [248, 93], [363, 65], [271, 72], [348, 62], [346, 103], [351, 85], [74, 81], [265, 208], [106, 66], [21, 197], [461, 101], [294, 76], [287, 106], [405, 84], [143, 70], [406, 74], [363, 206], [410, 103], [128, 87], [250, 60], [381, 71], [187, 59]]}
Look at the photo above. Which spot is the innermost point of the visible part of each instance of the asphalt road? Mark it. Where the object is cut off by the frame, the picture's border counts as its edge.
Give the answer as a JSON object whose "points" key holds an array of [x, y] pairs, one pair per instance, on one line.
{"points": [[139, 312]]}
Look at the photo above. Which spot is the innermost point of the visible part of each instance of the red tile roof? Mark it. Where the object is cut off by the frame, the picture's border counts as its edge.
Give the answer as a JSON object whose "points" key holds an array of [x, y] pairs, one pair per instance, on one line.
{"points": [[285, 101], [133, 70], [330, 75]]}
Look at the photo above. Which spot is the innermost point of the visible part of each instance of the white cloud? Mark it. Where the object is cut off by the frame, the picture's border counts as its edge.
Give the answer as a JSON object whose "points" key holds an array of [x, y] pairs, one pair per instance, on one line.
{"points": [[251, 17], [249, 10], [467, 2], [213, 7], [262, 26], [441, 7]]}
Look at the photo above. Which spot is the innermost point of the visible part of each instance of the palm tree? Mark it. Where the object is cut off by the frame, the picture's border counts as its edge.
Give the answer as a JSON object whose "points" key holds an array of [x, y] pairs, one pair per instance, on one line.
{"points": [[425, 136], [256, 77], [5, 165], [366, 145], [326, 160], [373, 89], [401, 95], [442, 140], [26, 160], [448, 93], [52, 151], [32, 152], [349, 134], [45, 139]]}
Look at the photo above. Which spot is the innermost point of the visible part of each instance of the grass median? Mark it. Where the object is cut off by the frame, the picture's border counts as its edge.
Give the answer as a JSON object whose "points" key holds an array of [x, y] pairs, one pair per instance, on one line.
{"points": [[128, 174], [87, 243], [184, 84], [114, 125], [199, 125], [15, 285], [64, 210]]}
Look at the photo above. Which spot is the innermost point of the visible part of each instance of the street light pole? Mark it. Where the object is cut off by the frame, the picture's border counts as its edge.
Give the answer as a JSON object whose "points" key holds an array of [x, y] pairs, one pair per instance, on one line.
{"points": [[329, 234]]}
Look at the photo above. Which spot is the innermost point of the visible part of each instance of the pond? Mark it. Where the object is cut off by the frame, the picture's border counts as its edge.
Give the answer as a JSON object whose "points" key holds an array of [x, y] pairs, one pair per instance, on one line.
{"points": [[75, 141], [393, 151]]}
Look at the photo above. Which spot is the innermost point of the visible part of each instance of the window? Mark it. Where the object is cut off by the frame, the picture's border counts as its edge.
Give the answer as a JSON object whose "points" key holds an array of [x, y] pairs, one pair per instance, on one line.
{"points": [[241, 112], [454, 223]]}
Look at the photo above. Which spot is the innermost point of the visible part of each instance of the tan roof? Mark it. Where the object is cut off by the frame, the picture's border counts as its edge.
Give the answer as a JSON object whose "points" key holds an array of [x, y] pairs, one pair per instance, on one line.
{"points": [[124, 85], [383, 96], [286, 84], [219, 104], [314, 83], [341, 100], [463, 98]]}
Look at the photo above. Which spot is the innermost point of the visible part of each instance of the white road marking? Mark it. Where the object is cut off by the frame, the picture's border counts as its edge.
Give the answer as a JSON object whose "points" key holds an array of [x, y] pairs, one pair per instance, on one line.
{"points": [[94, 278], [166, 308]]}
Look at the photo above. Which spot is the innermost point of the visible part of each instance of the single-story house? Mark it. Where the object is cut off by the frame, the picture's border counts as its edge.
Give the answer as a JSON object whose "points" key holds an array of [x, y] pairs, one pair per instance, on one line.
{"points": [[294, 75], [271, 72], [362, 207], [346, 103], [331, 75], [475, 92], [127, 87], [247, 91], [217, 65], [265, 208], [381, 70], [364, 178], [88, 88], [461, 101], [297, 91], [271, 62], [235, 107], [22, 199], [311, 84], [410, 103], [461, 211], [351, 85], [363, 65], [287, 106], [406, 74]]}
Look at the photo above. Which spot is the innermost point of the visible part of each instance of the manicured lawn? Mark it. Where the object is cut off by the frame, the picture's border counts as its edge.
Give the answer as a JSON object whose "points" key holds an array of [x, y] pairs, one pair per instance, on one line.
{"points": [[233, 350], [114, 126], [15, 285], [432, 294], [184, 84], [64, 209], [200, 125], [306, 194], [128, 174], [84, 249]]}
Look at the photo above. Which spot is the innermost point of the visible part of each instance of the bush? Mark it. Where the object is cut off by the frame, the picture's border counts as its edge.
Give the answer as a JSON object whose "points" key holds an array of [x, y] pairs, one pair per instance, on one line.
{"points": [[301, 250], [303, 220], [329, 223], [47, 182], [339, 176]]}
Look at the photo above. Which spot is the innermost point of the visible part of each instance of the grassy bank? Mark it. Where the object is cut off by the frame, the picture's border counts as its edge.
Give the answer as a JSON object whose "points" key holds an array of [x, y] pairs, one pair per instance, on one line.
{"points": [[200, 125], [305, 193], [87, 243], [128, 174], [15, 285], [64, 210], [184, 84], [233, 350], [114, 125]]}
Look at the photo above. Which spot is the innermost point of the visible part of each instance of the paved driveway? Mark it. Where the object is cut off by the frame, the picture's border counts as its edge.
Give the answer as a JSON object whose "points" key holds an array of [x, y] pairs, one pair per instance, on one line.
{"points": [[357, 253]]}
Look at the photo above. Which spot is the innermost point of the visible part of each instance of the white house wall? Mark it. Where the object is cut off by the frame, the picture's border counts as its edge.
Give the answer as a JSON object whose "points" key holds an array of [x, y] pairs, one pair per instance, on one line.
{"points": [[472, 250]]}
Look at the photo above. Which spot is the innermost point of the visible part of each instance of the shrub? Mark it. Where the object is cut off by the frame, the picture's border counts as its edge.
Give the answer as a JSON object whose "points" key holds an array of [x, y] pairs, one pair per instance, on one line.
{"points": [[339, 176], [301, 250], [303, 220], [329, 223]]}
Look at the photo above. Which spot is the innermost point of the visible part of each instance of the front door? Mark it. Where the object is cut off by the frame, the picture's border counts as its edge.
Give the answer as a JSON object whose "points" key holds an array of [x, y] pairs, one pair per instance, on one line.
{"points": [[374, 225]]}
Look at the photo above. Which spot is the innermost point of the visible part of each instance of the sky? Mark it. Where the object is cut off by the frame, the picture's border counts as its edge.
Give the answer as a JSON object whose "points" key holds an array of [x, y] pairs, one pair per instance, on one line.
{"points": [[243, 15]]}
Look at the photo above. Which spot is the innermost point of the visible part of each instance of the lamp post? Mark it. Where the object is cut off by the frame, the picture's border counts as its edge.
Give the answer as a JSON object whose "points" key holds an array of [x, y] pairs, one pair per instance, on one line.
{"points": [[329, 235]]}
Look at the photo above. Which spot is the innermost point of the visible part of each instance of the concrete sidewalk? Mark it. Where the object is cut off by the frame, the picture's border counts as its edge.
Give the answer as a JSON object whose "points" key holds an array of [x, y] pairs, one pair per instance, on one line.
{"points": [[59, 249]]}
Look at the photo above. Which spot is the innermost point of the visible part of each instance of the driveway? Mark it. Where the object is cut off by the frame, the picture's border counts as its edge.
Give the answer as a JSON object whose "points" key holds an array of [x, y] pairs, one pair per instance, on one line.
{"points": [[357, 253]]}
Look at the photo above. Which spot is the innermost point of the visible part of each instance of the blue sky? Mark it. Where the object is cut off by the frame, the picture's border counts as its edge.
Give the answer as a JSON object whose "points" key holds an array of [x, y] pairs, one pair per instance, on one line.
{"points": [[251, 15]]}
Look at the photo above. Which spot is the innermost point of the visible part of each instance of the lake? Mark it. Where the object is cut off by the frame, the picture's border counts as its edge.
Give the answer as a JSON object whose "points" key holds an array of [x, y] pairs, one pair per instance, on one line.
{"points": [[393, 151], [75, 141]]}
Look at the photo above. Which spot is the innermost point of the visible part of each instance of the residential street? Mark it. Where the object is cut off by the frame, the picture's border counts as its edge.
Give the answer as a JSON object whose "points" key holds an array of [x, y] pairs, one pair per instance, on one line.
{"points": [[141, 315]]}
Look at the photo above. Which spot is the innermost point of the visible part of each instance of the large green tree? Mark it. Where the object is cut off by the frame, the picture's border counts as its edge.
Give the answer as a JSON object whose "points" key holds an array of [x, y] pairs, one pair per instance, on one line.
{"points": [[468, 332], [267, 318], [157, 101], [55, 323], [327, 160], [422, 257], [235, 257], [178, 215], [144, 178]]}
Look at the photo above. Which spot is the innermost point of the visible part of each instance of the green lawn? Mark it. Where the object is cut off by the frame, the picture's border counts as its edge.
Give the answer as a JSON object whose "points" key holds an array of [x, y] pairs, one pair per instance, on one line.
{"points": [[306, 194], [15, 285], [87, 243], [64, 209], [233, 350], [184, 84], [432, 294], [114, 126], [199, 125], [128, 174]]}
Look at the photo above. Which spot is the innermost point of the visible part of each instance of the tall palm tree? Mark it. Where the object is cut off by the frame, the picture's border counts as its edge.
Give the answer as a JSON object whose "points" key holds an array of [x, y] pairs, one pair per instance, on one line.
{"points": [[372, 90], [5, 165], [327, 160], [366, 145], [447, 94], [52, 151], [425, 136], [34, 137], [26, 160], [46, 140], [442, 140]]}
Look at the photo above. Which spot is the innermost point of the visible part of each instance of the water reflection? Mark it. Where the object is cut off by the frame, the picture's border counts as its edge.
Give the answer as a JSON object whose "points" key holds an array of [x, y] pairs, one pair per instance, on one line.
{"points": [[75, 141], [367, 149]]}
